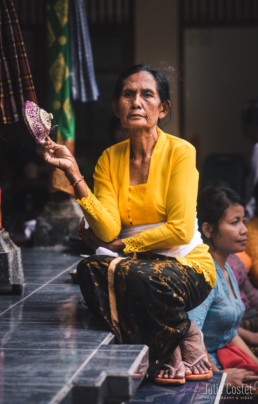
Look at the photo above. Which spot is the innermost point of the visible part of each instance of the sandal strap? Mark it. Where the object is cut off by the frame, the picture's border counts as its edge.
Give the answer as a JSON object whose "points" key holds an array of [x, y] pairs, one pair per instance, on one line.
{"points": [[190, 365], [176, 368]]}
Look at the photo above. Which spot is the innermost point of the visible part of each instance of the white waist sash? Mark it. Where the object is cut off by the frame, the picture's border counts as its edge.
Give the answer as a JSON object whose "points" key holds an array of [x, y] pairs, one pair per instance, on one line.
{"points": [[179, 251]]}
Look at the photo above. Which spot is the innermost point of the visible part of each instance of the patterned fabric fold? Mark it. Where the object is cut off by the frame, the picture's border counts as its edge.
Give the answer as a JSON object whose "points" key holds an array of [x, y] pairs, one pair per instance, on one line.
{"points": [[16, 85], [59, 89], [83, 83]]}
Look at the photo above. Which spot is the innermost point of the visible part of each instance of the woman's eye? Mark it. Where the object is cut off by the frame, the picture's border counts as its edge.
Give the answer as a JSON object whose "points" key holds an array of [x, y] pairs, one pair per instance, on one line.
{"points": [[147, 95], [127, 94], [235, 222]]}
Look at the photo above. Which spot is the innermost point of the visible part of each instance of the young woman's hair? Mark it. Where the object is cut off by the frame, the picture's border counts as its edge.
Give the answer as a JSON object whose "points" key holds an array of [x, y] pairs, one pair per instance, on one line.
{"points": [[255, 195], [213, 202], [161, 80]]}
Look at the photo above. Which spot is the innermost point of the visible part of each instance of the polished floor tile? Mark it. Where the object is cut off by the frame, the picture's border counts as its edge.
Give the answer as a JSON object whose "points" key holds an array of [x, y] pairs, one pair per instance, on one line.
{"points": [[204, 392], [45, 334], [53, 350]]}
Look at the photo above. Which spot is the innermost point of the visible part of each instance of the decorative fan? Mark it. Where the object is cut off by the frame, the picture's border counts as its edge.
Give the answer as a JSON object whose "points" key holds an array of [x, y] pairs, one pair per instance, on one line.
{"points": [[38, 121]]}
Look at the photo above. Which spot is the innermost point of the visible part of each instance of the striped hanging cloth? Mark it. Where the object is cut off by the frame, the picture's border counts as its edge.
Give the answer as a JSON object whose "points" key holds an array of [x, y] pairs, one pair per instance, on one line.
{"points": [[83, 83], [16, 85]]}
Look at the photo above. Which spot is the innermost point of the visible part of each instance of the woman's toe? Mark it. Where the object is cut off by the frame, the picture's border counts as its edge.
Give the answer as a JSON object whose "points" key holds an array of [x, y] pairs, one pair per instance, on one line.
{"points": [[206, 363], [180, 373], [203, 367], [206, 366], [188, 371], [199, 368], [195, 371]]}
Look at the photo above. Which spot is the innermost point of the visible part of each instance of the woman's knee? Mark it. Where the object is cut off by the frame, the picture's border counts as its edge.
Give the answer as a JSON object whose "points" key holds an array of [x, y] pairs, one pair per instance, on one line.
{"points": [[81, 268]]}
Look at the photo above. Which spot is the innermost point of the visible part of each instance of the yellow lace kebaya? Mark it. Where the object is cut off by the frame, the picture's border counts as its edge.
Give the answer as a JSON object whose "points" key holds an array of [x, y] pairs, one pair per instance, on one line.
{"points": [[168, 196]]}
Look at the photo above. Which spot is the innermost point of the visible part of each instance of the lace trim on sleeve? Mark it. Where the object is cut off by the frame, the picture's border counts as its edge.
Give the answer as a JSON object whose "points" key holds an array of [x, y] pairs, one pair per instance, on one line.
{"points": [[133, 244], [91, 204]]}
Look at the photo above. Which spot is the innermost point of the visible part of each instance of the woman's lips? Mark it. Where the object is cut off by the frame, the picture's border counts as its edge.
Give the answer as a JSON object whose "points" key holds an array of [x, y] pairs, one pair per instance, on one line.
{"points": [[136, 116]]}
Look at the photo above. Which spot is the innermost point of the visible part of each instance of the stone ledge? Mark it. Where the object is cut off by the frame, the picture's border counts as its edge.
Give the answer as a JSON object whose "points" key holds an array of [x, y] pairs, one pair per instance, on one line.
{"points": [[112, 375]]}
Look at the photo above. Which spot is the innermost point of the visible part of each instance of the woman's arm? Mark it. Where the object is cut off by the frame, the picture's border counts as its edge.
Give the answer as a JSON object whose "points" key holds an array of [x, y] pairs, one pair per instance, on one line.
{"points": [[105, 222], [249, 337], [237, 341]]}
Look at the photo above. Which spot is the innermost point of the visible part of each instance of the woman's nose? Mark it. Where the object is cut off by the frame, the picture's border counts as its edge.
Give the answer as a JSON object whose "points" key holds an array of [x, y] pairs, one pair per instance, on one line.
{"points": [[243, 229], [136, 101]]}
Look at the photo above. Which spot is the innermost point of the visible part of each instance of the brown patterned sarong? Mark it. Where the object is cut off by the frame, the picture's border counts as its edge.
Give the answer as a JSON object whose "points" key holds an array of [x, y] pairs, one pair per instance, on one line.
{"points": [[143, 300]]}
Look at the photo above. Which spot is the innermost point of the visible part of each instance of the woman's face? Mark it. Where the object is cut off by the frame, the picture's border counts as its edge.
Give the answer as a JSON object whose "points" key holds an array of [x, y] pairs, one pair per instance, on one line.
{"points": [[231, 234], [139, 105]]}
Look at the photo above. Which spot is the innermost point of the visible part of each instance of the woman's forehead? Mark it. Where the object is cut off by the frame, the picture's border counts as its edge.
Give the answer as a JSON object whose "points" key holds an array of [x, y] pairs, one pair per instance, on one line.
{"points": [[234, 210], [142, 79]]}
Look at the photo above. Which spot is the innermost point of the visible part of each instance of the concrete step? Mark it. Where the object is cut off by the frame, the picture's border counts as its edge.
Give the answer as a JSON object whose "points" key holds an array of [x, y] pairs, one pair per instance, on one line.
{"points": [[112, 375]]}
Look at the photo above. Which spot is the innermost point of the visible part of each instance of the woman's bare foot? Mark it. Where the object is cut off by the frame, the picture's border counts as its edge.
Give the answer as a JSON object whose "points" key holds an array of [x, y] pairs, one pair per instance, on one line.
{"points": [[192, 348], [176, 369]]}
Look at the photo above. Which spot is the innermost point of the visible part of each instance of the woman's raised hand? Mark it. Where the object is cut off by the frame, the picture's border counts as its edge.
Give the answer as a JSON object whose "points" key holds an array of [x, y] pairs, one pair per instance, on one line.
{"points": [[55, 154]]}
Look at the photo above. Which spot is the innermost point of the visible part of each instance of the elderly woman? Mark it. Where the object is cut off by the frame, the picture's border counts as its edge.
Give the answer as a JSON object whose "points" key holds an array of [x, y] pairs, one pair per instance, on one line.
{"points": [[144, 208]]}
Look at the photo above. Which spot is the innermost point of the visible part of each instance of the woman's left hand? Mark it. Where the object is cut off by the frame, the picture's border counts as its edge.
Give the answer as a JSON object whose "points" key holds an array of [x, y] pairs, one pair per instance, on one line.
{"points": [[56, 155], [88, 236]]}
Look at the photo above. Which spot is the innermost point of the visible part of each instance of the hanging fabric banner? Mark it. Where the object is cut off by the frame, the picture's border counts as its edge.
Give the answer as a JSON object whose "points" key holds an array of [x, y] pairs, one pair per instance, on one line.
{"points": [[59, 101], [83, 82], [16, 85]]}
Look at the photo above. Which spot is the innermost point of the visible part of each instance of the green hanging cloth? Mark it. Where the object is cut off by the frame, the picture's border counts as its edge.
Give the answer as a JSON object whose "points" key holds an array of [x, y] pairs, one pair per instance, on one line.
{"points": [[59, 93]]}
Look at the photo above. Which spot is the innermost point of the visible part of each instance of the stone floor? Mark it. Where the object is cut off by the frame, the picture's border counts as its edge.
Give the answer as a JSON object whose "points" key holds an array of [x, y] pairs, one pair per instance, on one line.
{"points": [[54, 351]]}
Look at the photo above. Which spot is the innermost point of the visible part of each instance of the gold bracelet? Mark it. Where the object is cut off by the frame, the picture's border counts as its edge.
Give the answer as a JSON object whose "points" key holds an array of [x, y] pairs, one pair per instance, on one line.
{"points": [[77, 182]]}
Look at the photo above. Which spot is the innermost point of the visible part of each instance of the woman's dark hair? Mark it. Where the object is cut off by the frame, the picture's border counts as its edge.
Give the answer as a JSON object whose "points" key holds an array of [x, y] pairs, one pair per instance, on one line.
{"points": [[161, 80], [213, 202], [255, 195]]}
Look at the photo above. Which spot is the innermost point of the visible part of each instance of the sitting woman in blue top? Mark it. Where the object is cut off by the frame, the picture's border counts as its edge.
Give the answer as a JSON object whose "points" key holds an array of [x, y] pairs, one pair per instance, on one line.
{"points": [[221, 218]]}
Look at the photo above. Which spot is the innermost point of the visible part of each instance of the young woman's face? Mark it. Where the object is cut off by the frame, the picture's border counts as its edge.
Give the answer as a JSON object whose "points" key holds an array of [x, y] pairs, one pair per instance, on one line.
{"points": [[139, 105], [231, 234]]}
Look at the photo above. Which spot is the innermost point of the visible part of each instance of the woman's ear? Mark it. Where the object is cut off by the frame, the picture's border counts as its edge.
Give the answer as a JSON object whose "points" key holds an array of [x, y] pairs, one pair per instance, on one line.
{"points": [[115, 108], [165, 107], [207, 230]]}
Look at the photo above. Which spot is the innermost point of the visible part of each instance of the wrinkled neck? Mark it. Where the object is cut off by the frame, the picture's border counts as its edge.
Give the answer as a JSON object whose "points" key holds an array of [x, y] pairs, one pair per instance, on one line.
{"points": [[143, 143]]}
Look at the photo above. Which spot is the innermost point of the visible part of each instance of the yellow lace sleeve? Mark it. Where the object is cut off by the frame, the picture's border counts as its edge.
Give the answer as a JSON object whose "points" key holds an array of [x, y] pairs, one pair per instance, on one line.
{"points": [[90, 204], [100, 220], [134, 244]]}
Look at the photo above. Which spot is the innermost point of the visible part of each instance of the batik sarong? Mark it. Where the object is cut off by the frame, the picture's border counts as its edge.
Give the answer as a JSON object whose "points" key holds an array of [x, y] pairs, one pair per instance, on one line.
{"points": [[143, 300]]}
